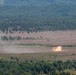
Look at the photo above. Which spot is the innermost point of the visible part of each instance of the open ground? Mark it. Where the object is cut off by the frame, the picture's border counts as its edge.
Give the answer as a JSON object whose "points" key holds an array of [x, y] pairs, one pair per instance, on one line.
{"points": [[38, 46], [45, 37]]}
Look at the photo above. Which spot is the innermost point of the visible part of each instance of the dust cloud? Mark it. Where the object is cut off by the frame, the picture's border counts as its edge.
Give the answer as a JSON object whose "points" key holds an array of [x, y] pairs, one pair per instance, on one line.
{"points": [[9, 48]]}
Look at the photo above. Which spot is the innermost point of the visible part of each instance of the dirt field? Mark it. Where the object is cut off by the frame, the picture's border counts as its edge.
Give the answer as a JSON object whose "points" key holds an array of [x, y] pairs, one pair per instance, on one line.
{"points": [[32, 49], [39, 43], [49, 37], [40, 55]]}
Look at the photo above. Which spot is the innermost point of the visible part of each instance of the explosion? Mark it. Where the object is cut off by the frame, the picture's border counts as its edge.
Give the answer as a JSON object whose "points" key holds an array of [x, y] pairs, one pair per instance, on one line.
{"points": [[59, 48]]}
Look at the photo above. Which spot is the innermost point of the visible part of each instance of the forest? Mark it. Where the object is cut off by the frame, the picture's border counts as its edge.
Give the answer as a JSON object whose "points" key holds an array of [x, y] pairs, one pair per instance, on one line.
{"points": [[18, 67], [33, 16]]}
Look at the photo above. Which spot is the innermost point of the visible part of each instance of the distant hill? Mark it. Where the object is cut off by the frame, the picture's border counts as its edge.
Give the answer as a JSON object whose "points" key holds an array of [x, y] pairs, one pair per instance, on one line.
{"points": [[36, 2], [27, 2], [38, 15]]}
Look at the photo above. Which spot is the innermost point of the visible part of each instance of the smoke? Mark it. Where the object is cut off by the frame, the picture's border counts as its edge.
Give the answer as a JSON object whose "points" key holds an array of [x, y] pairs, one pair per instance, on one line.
{"points": [[2, 2]]}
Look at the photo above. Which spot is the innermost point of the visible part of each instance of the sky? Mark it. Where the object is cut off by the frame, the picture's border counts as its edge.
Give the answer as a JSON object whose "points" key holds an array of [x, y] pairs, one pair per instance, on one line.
{"points": [[2, 2]]}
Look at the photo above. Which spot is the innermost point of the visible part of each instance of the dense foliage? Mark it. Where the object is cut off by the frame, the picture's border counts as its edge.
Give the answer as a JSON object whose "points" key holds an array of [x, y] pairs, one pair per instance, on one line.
{"points": [[38, 15], [17, 67]]}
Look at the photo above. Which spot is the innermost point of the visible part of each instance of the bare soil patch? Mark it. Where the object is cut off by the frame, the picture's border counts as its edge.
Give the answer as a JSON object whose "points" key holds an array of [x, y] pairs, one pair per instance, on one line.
{"points": [[46, 37], [40, 38]]}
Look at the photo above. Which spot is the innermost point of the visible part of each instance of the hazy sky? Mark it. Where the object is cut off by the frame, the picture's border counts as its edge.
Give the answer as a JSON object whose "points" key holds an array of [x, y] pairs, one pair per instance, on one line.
{"points": [[2, 2]]}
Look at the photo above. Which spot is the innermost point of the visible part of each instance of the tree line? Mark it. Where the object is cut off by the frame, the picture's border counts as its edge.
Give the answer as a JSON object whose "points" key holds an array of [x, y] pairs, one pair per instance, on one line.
{"points": [[30, 18], [17, 67], [7, 38]]}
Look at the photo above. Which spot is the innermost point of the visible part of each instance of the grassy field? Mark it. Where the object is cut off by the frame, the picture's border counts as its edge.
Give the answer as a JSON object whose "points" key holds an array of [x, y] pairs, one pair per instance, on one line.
{"points": [[53, 56], [71, 71], [43, 38], [40, 48]]}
